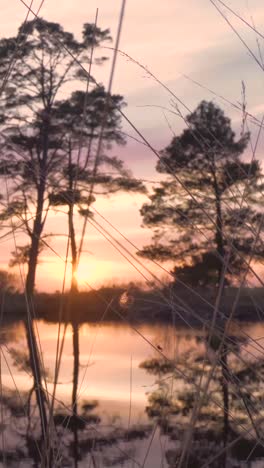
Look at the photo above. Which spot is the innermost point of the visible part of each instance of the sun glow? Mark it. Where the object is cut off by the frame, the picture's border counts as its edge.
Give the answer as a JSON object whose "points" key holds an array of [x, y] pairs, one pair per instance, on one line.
{"points": [[88, 272], [99, 272], [84, 273], [92, 272]]}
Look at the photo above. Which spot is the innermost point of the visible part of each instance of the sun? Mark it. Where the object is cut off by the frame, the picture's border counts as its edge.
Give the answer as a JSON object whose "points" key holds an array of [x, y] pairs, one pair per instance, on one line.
{"points": [[83, 274], [89, 272]]}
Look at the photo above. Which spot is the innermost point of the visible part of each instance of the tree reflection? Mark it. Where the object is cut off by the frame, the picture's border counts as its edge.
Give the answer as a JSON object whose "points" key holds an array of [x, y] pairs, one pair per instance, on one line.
{"points": [[229, 428], [81, 438], [76, 366], [98, 444]]}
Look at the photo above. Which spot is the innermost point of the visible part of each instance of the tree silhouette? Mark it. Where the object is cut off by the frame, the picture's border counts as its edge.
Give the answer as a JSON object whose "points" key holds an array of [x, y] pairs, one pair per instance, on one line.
{"points": [[45, 64], [49, 148], [8, 282], [232, 402], [208, 202], [83, 120], [85, 172]]}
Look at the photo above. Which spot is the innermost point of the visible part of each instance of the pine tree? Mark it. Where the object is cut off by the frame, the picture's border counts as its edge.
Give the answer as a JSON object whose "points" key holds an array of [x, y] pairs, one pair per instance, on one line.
{"points": [[209, 203], [87, 170], [45, 59]]}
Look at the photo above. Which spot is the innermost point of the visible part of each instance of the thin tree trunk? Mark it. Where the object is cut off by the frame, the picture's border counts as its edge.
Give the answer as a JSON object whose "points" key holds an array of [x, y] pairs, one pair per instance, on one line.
{"points": [[71, 201], [219, 238], [29, 287], [224, 362], [30, 333], [72, 304], [74, 282]]}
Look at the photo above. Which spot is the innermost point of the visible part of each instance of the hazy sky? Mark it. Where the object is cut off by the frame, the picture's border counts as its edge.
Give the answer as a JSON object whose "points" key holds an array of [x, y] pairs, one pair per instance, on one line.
{"points": [[172, 39]]}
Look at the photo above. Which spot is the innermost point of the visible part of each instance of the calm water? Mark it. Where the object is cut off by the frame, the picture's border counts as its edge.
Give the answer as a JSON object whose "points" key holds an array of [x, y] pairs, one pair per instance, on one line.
{"points": [[110, 355], [109, 372]]}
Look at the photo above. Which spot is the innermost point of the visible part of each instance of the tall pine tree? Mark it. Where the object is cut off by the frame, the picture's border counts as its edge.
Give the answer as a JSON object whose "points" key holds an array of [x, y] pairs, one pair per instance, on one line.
{"points": [[208, 202]]}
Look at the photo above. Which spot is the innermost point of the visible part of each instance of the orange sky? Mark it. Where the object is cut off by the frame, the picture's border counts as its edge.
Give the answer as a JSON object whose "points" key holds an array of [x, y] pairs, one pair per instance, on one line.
{"points": [[171, 39]]}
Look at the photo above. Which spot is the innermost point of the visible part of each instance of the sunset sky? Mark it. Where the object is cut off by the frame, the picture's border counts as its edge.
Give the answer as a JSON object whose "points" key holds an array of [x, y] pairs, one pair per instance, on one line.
{"points": [[175, 40]]}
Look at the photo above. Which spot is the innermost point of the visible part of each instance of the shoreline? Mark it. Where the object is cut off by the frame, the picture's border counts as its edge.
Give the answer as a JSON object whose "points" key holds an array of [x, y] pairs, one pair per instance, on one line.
{"points": [[108, 304]]}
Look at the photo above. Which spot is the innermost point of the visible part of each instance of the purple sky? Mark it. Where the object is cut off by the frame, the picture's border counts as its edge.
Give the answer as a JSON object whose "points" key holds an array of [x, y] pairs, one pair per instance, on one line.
{"points": [[171, 39]]}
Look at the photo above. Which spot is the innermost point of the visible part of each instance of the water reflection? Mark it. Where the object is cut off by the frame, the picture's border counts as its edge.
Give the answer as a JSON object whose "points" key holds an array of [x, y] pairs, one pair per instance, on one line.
{"points": [[119, 402], [221, 421]]}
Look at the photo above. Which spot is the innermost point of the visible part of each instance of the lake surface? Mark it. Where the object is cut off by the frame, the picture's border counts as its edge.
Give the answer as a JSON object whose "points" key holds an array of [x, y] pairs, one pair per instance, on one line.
{"points": [[110, 355]]}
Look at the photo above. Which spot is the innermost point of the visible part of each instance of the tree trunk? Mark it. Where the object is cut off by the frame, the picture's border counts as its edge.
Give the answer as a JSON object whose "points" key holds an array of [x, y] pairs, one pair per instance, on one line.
{"points": [[219, 238], [75, 335], [71, 202], [74, 282], [29, 288], [74, 323], [31, 337]]}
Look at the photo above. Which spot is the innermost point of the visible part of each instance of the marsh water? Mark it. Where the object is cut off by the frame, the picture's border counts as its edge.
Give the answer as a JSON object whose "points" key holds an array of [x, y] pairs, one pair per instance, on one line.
{"points": [[112, 387]]}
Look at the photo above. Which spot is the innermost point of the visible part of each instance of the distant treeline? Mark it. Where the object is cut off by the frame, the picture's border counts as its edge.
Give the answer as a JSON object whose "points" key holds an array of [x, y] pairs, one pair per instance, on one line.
{"points": [[135, 304]]}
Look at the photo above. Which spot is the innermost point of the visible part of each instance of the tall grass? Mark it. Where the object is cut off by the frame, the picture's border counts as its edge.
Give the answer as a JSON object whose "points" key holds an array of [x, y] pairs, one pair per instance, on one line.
{"points": [[218, 324]]}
